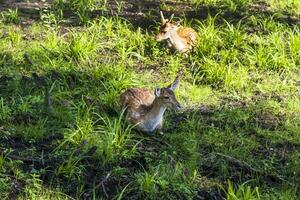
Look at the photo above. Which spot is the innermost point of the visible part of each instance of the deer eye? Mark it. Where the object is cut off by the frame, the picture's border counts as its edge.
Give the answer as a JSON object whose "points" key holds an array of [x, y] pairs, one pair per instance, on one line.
{"points": [[166, 97]]}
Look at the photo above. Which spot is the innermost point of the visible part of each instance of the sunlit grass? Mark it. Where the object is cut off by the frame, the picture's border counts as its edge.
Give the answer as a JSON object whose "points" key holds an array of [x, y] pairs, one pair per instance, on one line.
{"points": [[239, 91], [291, 5]]}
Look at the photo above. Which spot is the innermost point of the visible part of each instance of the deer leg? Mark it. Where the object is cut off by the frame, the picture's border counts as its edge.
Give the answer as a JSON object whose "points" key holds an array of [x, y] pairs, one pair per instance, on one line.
{"points": [[169, 44], [159, 128], [159, 125]]}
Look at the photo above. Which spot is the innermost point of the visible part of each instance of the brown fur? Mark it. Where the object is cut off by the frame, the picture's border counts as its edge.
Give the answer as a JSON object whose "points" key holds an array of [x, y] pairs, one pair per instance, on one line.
{"points": [[189, 34], [136, 100], [183, 39], [145, 107]]}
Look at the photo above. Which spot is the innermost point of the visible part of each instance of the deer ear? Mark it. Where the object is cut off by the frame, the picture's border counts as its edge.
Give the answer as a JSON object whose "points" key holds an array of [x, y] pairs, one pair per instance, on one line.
{"points": [[163, 20], [174, 85], [171, 18], [178, 23], [157, 92]]}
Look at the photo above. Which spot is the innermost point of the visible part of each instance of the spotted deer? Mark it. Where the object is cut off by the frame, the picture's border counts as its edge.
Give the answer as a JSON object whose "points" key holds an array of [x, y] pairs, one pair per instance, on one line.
{"points": [[182, 39], [145, 107]]}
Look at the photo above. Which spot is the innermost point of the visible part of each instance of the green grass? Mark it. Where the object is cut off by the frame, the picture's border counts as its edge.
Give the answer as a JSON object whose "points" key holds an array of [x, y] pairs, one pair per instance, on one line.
{"points": [[63, 134], [10, 16]]}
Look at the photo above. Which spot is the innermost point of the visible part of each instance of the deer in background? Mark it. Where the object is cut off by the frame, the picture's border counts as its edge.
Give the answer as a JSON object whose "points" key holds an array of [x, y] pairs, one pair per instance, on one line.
{"points": [[183, 39], [145, 107]]}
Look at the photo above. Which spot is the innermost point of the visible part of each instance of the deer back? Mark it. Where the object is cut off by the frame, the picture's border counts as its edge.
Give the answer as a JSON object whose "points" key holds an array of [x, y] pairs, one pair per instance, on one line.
{"points": [[188, 34], [135, 98]]}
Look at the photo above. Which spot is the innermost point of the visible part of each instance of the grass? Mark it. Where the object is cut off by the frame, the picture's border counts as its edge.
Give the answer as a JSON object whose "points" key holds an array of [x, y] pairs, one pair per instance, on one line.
{"points": [[63, 135], [10, 16]]}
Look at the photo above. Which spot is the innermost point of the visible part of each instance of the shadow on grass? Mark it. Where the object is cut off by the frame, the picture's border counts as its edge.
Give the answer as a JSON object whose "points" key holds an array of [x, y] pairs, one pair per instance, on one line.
{"points": [[239, 118], [145, 14], [232, 144]]}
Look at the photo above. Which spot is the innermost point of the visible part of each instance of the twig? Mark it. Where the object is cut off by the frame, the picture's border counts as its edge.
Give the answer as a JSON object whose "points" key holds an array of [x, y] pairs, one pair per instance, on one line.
{"points": [[103, 180], [48, 101], [104, 190], [237, 162], [152, 137], [49, 51], [243, 164], [80, 147], [28, 59], [91, 151], [102, 183], [42, 161], [24, 159], [161, 141]]}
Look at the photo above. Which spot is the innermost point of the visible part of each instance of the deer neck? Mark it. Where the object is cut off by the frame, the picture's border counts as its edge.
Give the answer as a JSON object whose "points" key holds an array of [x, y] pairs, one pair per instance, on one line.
{"points": [[176, 40], [156, 111], [154, 117]]}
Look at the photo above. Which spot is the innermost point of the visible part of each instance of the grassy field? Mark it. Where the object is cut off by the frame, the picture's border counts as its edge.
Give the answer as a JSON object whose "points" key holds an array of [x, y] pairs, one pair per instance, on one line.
{"points": [[62, 69]]}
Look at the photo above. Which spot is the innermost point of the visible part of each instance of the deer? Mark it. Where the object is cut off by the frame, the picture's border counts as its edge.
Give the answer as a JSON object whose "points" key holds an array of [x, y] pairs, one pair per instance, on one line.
{"points": [[182, 39], [145, 107]]}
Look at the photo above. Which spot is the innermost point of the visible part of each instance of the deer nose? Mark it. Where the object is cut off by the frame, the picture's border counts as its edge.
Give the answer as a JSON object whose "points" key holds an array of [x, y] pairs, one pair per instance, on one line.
{"points": [[178, 107], [158, 38]]}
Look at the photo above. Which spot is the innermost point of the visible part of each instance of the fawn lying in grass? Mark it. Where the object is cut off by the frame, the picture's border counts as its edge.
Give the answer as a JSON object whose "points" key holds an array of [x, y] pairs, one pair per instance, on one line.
{"points": [[145, 107], [183, 39]]}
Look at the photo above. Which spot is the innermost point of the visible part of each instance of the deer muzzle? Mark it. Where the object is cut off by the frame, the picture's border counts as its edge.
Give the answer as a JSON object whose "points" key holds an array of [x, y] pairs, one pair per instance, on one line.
{"points": [[159, 37], [177, 107]]}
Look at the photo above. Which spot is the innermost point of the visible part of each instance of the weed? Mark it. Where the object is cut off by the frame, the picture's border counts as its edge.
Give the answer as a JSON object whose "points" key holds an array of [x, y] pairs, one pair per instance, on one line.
{"points": [[242, 192], [70, 168], [1, 162], [10, 16], [81, 47], [5, 111], [50, 19], [115, 138], [146, 182], [14, 37], [32, 132], [82, 9]]}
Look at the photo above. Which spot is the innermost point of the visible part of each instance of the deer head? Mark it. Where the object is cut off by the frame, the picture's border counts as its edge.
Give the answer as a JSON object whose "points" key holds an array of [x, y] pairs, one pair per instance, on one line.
{"points": [[165, 28], [166, 96]]}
